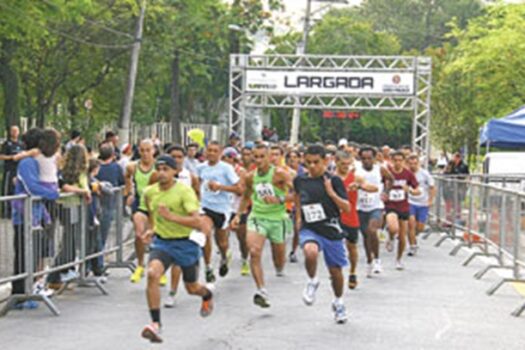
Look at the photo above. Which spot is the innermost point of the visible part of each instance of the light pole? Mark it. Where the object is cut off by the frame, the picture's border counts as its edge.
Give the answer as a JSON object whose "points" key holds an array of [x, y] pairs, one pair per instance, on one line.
{"points": [[301, 50]]}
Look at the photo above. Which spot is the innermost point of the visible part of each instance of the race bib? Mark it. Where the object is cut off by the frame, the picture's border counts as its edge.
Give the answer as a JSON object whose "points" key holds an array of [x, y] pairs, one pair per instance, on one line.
{"points": [[264, 190], [396, 195], [198, 237], [365, 199], [313, 213]]}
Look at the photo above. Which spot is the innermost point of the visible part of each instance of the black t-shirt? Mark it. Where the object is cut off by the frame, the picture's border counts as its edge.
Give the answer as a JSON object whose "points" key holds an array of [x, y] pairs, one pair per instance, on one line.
{"points": [[10, 148], [318, 211]]}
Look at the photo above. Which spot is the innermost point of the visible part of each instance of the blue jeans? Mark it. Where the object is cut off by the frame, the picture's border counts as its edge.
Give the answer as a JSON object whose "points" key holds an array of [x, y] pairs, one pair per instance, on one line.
{"points": [[108, 206]]}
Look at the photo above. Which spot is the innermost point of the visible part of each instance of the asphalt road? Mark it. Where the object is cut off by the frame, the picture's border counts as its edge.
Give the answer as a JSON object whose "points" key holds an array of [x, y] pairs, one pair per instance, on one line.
{"points": [[434, 304]]}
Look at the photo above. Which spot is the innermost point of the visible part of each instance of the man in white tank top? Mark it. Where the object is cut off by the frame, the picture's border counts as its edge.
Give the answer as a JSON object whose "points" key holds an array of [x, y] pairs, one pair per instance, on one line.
{"points": [[370, 206]]}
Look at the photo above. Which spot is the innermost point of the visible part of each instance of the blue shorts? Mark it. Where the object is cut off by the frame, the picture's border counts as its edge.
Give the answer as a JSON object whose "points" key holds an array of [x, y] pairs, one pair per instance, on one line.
{"points": [[333, 250], [183, 252], [420, 212], [366, 216]]}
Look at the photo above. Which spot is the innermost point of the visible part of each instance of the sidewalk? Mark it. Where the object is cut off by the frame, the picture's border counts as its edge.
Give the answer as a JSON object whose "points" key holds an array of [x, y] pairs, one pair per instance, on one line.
{"points": [[434, 304]]}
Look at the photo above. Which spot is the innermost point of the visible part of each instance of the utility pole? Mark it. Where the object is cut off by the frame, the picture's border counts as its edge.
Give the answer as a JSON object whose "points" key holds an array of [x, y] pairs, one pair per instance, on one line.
{"points": [[301, 50], [125, 118]]}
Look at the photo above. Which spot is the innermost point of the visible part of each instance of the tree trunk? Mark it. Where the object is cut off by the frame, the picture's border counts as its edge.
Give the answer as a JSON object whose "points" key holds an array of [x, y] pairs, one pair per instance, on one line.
{"points": [[175, 109], [10, 84]]}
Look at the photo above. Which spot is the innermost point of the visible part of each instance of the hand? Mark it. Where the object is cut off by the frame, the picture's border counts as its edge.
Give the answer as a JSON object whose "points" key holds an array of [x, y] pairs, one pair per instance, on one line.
{"points": [[214, 186], [406, 188], [430, 202], [328, 186], [384, 197], [147, 236], [129, 200], [87, 196], [235, 222], [271, 200], [164, 212], [354, 186]]}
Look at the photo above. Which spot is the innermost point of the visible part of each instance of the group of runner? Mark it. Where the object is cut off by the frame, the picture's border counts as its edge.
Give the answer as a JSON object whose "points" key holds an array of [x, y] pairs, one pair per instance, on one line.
{"points": [[322, 196]]}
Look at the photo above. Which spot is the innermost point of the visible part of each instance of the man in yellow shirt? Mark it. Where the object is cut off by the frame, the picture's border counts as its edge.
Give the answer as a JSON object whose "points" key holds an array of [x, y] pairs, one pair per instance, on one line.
{"points": [[173, 210]]}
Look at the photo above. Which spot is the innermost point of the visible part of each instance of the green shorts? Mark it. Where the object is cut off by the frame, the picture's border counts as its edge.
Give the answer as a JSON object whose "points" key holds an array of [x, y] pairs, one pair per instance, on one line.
{"points": [[274, 230]]}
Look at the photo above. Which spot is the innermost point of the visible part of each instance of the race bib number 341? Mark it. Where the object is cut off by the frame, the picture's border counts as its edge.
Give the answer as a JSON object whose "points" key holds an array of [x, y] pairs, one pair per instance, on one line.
{"points": [[313, 213]]}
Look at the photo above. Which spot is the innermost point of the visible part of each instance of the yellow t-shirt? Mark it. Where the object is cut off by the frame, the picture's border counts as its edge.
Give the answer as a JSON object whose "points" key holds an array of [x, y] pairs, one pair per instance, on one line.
{"points": [[179, 199]]}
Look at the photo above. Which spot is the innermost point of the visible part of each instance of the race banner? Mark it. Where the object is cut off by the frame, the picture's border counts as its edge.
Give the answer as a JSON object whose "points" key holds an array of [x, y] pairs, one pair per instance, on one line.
{"points": [[331, 83]]}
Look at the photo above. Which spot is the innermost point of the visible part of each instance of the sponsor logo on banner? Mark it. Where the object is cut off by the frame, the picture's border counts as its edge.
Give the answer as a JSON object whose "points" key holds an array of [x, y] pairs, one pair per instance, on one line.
{"points": [[355, 83]]}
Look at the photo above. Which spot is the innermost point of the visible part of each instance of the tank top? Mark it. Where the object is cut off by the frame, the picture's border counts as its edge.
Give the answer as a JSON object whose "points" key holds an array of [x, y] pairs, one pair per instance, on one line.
{"points": [[350, 219], [184, 177], [262, 187], [141, 179], [370, 201]]}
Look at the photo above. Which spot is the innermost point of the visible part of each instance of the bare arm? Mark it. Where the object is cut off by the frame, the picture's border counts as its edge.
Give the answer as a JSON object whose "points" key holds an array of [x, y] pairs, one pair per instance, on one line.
{"points": [[342, 204], [388, 178], [247, 194], [128, 176], [365, 186], [193, 220], [284, 179], [195, 184]]}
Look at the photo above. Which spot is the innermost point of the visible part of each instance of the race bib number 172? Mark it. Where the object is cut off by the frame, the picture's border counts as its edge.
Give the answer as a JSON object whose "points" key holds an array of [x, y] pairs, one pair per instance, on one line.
{"points": [[313, 213]]}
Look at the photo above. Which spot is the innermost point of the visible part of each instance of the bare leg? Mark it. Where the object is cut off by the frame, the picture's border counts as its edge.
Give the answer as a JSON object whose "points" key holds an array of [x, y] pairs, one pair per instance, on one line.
{"points": [[207, 229], [155, 271], [373, 239], [336, 275], [140, 223], [221, 238], [175, 278], [412, 230], [311, 252], [255, 245], [403, 228], [353, 255], [279, 255], [241, 236]]}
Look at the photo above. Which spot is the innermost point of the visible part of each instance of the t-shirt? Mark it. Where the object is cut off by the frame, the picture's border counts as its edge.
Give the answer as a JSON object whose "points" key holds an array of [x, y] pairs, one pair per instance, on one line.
{"points": [[191, 164], [397, 197], [180, 200], [319, 213], [11, 148], [350, 219], [222, 173], [111, 173], [425, 181], [48, 168]]}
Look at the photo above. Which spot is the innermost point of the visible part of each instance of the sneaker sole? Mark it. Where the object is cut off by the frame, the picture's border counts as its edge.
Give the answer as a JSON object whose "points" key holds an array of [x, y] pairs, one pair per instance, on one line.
{"points": [[307, 302], [343, 321], [259, 301], [151, 336]]}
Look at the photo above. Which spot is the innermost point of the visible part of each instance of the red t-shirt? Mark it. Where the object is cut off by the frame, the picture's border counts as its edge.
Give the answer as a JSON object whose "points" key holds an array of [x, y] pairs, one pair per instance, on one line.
{"points": [[398, 198], [350, 219]]}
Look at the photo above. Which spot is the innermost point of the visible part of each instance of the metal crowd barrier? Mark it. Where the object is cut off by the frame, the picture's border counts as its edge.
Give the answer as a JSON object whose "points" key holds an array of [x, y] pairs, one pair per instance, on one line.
{"points": [[485, 216], [56, 243]]}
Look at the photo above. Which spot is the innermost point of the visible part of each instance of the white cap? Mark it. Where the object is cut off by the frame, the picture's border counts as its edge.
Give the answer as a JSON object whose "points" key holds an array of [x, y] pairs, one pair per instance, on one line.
{"points": [[342, 142]]}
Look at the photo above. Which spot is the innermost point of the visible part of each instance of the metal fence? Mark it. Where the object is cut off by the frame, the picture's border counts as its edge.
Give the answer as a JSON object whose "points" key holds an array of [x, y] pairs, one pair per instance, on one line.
{"points": [[486, 216], [59, 242]]}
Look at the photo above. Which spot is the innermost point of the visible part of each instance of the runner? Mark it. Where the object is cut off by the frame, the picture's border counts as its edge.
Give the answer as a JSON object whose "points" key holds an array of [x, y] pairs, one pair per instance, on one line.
{"points": [[218, 181], [137, 177], [231, 156], [419, 205], [370, 206], [321, 197], [174, 212], [184, 176], [293, 160], [397, 208], [350, 221], [266, 187]]}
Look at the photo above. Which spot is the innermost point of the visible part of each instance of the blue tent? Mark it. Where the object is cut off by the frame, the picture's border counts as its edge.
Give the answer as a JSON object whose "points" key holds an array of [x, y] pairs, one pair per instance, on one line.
{"points": [[507, 132]]}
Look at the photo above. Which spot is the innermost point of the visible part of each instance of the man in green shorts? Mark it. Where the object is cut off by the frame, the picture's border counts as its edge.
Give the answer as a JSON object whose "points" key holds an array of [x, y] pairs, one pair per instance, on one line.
{"points": [[267, 187], [173, 210]]}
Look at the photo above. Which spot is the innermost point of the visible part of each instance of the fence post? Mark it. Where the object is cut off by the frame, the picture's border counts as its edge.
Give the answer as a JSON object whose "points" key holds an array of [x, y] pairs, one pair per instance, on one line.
{"points": [[28, 244], [517, 231]]}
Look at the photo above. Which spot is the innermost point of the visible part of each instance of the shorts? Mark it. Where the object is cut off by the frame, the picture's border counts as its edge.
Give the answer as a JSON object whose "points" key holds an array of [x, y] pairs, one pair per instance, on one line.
{"points": [[242, 221], [274, 230], [220, 221], [420, 212], [403, 216], [333, 250], [351, 233], [366, 216], [180, 252]]}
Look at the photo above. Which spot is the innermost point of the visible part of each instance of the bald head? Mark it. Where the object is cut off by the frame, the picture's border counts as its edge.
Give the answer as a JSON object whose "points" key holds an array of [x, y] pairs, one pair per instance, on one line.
{"points": [[14, 132]]}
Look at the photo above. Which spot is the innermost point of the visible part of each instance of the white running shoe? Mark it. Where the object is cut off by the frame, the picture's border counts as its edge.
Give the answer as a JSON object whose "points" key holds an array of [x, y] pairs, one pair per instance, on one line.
{"points": [[339, 313], [389, 244], [412, 251], [377, 267], [399, 265], [40, 289], [369, 270], [309, 293], [170, 300], [261, 298]]}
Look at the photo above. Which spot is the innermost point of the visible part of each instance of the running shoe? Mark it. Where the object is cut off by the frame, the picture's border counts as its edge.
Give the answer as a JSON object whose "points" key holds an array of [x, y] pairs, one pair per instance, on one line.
{"points": [[40, 289], [339, 313], [68, 276], [170, 300], [279, 272], [309, 293], [210, 276], [293, 257], [261, 299], [412, 251], [225, 263], [137, 274], [377, 267], [245, 268], [389, 244], [352, 281], [382, 235], [152, 333], [399, 265], [369, 270], [207, 305], [163, 280]]}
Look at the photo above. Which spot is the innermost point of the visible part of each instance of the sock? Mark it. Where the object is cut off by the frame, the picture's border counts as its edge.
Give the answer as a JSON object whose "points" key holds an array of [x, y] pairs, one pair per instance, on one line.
{"points": [[155, 315], [313, 280], [338, 301], [208, 295], [208, 267]]}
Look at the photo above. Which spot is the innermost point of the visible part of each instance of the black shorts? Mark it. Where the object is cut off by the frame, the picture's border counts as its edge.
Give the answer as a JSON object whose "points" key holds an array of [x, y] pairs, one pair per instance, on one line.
{"points": [[243, 221], [400, 215], [190, 274], [351, 233], [219, 219]]}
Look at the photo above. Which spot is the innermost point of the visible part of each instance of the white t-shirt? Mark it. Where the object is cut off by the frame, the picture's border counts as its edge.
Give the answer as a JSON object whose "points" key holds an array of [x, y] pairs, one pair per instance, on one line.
{"points": [[425, 181], [48, 168]]}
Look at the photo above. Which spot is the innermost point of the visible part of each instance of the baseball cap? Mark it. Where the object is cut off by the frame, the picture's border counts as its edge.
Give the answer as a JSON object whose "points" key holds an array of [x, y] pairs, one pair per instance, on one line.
{"points": [[230, 152], [342, 142], [249, 144], [166, 160]]}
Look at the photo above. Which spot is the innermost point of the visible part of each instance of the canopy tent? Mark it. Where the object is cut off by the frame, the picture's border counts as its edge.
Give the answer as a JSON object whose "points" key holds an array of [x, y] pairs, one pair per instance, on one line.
{"points": [[506, 132]]}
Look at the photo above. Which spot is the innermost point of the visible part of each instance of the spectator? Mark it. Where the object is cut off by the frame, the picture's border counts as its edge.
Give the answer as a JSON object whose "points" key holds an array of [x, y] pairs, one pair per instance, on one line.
{"points": [[459, 167], [191, 160], [11, 147], [127, 152], [112, 138], [234, 140], [75, 139], [28, 183], [93, 243]]}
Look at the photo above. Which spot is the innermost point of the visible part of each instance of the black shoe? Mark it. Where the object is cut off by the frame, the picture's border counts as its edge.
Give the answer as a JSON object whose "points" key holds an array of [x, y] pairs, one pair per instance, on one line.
{"points": [[223, 269], [293, 257], [352, 281], [210, 276]]}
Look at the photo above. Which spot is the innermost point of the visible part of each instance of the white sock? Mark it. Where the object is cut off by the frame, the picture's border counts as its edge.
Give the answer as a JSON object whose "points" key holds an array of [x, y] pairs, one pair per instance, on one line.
{"points": [[313, 280], [338, 301]]}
